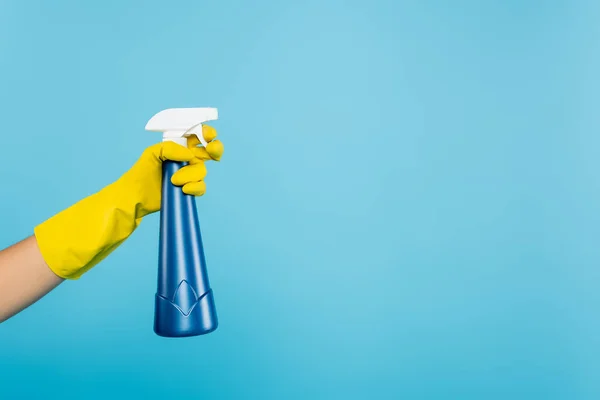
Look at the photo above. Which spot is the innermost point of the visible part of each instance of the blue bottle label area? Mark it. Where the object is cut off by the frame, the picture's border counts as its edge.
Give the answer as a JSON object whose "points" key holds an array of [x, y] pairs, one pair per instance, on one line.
{"points": [[184, 300]]}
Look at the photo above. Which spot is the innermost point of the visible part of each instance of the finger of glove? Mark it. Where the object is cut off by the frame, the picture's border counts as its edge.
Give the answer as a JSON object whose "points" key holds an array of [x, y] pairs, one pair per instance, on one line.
{"points": [[171, 151], [197, 160], [208, 133], [194, 188], [215, 149], [201, 153], [189, 173]]}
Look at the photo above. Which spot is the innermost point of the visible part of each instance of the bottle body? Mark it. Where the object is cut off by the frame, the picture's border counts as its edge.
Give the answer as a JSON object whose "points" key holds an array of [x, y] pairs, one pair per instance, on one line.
{"points": [[184, 304]]}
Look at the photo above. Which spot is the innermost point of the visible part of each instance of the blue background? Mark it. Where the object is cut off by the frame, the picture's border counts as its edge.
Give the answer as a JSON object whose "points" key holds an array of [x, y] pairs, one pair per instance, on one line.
{"points": [[408, 205]]}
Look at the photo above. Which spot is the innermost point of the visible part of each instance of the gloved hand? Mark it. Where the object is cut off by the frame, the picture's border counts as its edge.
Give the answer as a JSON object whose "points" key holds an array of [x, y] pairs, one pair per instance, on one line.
{"points": [[78, 238]]}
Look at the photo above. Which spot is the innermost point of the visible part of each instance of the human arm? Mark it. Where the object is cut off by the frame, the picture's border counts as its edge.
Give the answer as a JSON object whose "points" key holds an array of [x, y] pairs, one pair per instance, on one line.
{"points": [[24, 277], [76, 239]]}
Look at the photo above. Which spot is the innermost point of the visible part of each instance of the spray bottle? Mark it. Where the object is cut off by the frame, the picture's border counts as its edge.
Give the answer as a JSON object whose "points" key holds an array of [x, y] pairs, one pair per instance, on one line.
{"points": [[184, 303]]}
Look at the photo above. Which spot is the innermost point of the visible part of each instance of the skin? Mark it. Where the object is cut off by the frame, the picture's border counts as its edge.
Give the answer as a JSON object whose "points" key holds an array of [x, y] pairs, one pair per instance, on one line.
{"points": [[24, 277]]}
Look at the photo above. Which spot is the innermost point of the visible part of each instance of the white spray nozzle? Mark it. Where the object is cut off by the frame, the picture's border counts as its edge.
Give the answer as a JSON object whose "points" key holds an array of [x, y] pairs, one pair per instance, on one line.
{"points": [[177, 124]]}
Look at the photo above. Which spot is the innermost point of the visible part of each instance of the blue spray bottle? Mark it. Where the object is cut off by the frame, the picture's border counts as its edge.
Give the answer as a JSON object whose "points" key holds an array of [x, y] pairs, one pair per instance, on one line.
{"points": [[184, 304]]}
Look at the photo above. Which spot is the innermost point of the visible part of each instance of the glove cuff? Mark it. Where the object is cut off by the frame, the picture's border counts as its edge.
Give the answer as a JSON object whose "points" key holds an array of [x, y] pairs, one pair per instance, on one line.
{"points": [[79, 237]]}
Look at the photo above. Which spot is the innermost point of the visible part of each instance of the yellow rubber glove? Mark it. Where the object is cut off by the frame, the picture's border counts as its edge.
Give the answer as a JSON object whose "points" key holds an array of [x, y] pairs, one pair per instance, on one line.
{"points": [[78, 238]]}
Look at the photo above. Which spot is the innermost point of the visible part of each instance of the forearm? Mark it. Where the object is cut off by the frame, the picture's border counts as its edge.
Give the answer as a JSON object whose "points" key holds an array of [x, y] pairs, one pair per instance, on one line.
{"points": [[24, 277]]}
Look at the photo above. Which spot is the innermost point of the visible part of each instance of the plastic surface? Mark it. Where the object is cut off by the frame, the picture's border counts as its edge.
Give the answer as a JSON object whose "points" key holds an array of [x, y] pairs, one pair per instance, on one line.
{"points": [[184, 300], [177, 123]]}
